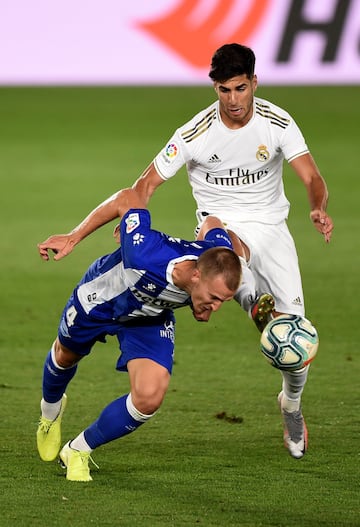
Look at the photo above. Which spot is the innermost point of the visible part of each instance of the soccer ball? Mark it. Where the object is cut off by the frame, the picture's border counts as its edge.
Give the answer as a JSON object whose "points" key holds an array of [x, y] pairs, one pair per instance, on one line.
{"points": [[289, 342]]}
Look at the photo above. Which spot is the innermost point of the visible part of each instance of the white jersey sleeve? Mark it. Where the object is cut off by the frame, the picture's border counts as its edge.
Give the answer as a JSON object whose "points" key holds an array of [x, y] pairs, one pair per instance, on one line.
{"points": [[171, 158], [293, 143], [186, 143]]}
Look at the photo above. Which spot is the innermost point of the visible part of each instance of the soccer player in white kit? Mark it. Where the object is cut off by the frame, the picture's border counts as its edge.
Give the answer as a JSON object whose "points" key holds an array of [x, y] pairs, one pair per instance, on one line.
{"points": [[234, 152]]}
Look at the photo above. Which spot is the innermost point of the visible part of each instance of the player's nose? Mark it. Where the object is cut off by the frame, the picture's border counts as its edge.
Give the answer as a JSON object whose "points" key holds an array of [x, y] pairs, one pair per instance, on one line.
{"points": [[215, 306]]}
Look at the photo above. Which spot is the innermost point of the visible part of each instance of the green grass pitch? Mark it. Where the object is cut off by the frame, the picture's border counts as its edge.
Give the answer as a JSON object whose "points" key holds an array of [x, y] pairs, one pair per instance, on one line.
{"points": [[62, 151]]}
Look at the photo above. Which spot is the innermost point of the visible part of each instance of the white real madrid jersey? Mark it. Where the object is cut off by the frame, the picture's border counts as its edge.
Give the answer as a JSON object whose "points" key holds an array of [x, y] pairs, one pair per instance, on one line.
{"points": [[236, 174]]}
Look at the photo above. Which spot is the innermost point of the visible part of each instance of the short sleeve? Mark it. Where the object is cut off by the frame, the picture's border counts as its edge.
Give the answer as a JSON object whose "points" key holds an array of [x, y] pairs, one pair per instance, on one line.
{"points": [[138, 240], [293, 143], [171, 158]]}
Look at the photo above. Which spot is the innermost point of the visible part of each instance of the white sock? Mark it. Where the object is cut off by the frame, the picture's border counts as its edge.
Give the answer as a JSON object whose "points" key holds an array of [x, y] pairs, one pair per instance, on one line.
{"points": [[134, 412], [293, 387], [246, 293], [79, 443], [50, 410]]}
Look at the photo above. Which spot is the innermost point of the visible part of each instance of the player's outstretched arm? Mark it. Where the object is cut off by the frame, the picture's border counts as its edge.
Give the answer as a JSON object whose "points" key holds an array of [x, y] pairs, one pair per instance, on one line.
{"points": [[147, 183], [114, 207], [308, 172]]}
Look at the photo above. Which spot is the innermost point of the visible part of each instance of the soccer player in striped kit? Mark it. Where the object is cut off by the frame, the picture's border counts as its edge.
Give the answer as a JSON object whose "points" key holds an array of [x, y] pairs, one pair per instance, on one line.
{"points": [[131, 293]]}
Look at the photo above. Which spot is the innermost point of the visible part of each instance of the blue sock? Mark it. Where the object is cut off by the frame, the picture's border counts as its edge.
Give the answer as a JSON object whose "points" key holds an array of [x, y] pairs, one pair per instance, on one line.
{"points": [[114, 421], [55, 379]]}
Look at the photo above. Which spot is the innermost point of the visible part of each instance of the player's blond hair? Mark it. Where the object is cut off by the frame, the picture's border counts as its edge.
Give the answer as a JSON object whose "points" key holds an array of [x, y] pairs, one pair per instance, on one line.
{"points": [[221, 261]]}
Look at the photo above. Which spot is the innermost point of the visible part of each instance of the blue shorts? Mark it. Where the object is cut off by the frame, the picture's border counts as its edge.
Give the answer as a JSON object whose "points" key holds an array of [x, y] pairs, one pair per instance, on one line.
{"points": [[149, 337]]}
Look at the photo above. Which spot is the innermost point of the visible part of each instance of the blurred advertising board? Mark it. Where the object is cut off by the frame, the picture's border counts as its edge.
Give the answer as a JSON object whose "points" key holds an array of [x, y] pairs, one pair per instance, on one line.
{"points": [[80, 42]]}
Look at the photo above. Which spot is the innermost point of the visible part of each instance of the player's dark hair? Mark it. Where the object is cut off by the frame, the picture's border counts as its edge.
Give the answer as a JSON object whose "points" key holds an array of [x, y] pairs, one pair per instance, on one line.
{"points": [[221, 261], [232, 60]]}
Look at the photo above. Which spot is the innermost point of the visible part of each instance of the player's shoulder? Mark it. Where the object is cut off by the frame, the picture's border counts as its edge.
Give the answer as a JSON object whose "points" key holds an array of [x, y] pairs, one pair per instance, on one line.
{"points": [[134, 219], [135, 230], [199, 124], [271, 113], [140, 244]]}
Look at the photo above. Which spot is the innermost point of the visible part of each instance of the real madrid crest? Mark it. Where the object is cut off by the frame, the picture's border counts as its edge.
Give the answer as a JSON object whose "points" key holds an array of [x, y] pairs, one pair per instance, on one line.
{"points": [[262, 154]]}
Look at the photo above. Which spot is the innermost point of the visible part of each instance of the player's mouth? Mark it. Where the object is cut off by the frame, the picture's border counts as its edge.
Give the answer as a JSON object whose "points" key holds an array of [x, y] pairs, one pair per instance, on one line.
{"points": [[235, 111]]}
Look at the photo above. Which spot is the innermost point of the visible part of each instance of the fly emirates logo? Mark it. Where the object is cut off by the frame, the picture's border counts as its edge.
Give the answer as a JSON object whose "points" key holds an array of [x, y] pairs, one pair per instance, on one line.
{"points": [[236, 177]]}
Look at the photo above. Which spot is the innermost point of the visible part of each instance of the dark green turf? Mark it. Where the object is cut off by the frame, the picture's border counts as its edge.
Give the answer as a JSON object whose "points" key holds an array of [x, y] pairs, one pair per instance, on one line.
{"points": [[62, 151]]}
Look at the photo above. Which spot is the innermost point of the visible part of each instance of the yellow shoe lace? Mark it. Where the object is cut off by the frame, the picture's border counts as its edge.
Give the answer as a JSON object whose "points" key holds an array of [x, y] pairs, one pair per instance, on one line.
{"points": [[45, 424]]}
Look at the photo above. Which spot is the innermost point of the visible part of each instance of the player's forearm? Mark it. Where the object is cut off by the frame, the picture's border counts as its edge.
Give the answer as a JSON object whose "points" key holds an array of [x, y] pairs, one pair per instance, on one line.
{"points": [[147, 183], [107, 211], [306, 168], [114, 207], [318, 194], [318, 197]]}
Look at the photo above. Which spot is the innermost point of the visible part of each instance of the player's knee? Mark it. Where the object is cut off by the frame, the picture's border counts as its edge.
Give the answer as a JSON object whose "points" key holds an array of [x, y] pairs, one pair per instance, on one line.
{"points": [[64, 357], [148, 399]]}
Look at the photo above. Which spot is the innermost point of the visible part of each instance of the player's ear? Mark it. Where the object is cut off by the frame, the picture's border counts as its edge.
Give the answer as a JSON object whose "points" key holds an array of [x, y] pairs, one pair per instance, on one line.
{"points": [[254, 82], [196, 275], [116, 233]]}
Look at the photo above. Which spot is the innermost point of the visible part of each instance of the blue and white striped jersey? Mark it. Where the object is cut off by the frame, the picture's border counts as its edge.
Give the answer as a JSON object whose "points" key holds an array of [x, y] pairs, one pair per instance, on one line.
{"points": [[136, 279]]}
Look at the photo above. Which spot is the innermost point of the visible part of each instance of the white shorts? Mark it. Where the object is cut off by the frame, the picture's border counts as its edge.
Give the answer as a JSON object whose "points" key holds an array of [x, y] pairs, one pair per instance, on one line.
{"points": [[274, 263]]}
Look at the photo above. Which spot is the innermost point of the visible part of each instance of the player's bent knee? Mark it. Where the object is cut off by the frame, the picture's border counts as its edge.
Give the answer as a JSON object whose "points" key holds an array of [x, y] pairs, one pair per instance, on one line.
{"points": [[148, 401], [64, 357]]}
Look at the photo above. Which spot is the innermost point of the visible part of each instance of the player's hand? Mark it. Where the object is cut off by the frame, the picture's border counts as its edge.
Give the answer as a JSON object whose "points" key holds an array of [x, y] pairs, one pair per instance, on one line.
{"points": [[322, 223], [60, 244]]}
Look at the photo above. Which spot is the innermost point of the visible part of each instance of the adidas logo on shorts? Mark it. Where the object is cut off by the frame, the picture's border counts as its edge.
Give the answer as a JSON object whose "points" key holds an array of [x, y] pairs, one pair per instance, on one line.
{"points": [[297, 301]]}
